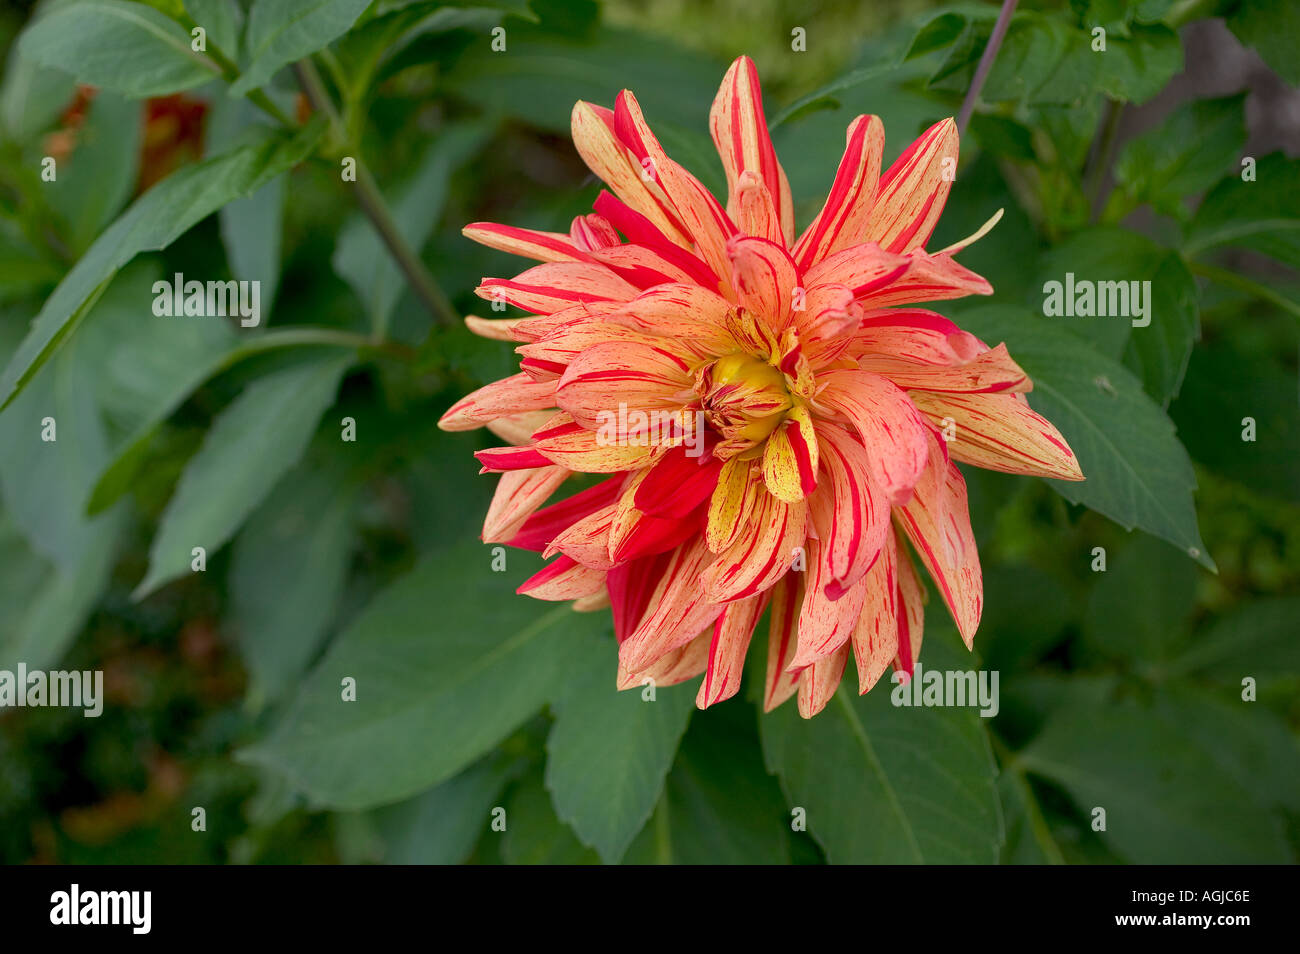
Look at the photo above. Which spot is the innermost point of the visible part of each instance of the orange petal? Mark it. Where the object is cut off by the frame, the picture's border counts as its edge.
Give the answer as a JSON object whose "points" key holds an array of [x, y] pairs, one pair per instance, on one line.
{"points": [[727, 647], [937, 521], [913, 191], [841, 221], [740, 132], [891, 428], [1000, 432]]}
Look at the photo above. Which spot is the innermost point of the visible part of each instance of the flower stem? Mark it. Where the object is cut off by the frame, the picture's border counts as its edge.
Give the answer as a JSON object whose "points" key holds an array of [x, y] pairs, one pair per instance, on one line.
{"points": [[985, 64], [372, 203]]}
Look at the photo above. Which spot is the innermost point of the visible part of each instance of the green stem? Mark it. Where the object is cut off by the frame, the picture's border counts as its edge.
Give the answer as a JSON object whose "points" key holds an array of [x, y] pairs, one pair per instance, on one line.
{"points": [[1247, 285], [372, 203], [1037, 823]]}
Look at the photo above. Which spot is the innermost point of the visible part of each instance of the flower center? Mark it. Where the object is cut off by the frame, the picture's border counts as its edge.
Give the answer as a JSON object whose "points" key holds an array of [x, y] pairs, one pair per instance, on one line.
{"points": [[744, 399]]}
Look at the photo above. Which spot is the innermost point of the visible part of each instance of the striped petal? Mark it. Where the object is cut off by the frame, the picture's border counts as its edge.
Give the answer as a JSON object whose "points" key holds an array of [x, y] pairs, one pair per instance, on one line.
{"points": [[528, 243], [685, 662], [891, 428], [727, 647], [927, 278], [913, 191], [518, 494], [875, 638], [825, 625], [566, 442], [764, 278], [782, 638], [911, 598], [626, 376], [818, 682], [740, 132], [790, 457], [586, 540], [850, 514], [762, 552], [704, 219], [563, 579], [937, 521], [678, 609], [841, 221], [595, 139], [865, 269], [1000, 432], [990, 371], [544, 289], [510, 395], [740, 482]]}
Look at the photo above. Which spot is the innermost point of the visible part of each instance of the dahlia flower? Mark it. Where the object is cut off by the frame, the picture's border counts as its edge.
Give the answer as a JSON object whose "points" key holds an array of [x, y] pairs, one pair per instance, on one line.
{"points": [[775, 420]]}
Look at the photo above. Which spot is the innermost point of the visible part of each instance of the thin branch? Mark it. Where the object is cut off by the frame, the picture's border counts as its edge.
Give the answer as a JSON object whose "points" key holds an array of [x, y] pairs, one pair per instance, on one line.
{"points": [[985, 64], [376, 210]]}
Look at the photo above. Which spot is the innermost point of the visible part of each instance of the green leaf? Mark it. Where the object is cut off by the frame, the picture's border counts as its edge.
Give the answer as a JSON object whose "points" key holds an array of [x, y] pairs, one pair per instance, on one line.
{"points": [[180, 361], [1272, 27], [542, 74], [1158, 350], [1224, 387], [447, 662], [441, 826], [32, 97], [287, 571], [279, 33], [98, 178], [1169, 799], [533, 835], [723, 807], [1262, 214], [222, 19], [127, 47], [362, 259], [250, 445], [250, 232], [1258, 639], [1186, 154], [153, 221], [1137, 473], [1140, 607], [886, 784], [54, 602], [609, 751]]}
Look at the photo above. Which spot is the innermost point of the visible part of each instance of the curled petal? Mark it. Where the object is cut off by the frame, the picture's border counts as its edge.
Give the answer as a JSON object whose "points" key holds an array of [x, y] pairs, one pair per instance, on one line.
{"points": [[990, 371], [764, 277], [740, 132], [891, 428]]}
